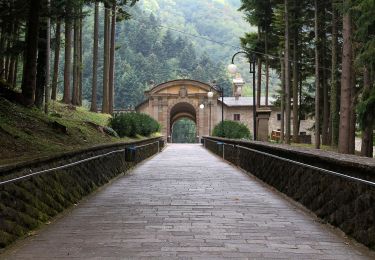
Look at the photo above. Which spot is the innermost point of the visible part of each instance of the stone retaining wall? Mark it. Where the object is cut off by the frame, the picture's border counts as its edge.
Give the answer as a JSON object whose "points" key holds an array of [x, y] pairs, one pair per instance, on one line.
{"points": [[344, 203], [28, 203]]}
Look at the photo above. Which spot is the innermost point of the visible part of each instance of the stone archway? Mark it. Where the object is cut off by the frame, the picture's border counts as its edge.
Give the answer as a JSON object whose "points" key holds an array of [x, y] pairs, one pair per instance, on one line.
{"points": [[172, 100], [183, 130], [180, 110]]}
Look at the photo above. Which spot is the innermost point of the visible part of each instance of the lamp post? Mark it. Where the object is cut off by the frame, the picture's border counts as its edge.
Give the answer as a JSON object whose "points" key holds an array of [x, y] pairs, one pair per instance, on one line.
{"points": [[232, 68], [210, 95], [209, 124]]}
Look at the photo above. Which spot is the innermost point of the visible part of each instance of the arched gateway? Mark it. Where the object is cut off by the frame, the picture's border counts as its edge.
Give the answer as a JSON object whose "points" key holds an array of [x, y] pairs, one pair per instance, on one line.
{"points": [[173, 100]]}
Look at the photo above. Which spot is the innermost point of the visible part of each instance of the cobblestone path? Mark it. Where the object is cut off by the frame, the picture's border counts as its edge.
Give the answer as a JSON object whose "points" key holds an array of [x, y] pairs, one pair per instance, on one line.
{"points": [[187, 203]]}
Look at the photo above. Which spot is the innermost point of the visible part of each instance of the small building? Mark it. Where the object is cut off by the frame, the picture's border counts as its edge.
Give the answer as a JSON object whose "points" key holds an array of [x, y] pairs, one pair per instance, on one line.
{"points": [[170, 101]]}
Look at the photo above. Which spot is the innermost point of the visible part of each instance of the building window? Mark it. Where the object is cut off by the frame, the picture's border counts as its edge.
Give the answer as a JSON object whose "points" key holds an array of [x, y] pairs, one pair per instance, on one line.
{"points": [[236, 117], [278, 117]]}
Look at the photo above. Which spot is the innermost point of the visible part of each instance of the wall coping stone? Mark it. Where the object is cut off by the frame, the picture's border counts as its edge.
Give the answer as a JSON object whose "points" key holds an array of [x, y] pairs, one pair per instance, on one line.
{"points": [[357, 166]]}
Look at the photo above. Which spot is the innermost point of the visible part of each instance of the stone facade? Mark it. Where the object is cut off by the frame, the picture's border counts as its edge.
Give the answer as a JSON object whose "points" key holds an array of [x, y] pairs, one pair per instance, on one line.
{"points": [[173, 100]]}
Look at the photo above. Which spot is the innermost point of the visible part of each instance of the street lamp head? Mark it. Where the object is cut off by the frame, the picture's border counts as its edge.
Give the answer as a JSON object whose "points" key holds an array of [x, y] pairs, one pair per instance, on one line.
{"points": [[210, 94], [201, 106], [232, 69]]}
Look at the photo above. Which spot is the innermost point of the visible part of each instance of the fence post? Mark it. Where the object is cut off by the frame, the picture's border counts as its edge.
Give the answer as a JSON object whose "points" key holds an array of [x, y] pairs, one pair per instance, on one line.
{"points": [[237, 155]]}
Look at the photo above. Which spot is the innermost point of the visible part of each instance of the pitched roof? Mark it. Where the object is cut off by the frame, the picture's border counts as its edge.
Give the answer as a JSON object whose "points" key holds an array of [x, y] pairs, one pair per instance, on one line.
{"points": [[245, 101]]}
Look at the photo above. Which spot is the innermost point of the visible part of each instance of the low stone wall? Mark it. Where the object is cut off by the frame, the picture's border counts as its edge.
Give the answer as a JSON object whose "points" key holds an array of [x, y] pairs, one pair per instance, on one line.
{"points": [[344, 203], [26, 204]]}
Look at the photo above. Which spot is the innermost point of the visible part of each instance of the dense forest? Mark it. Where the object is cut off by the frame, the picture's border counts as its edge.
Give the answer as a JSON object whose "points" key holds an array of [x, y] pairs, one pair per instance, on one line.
{"points": [[217, 23], [146, 52], [330, 44], [143, 51], [104, 54]]}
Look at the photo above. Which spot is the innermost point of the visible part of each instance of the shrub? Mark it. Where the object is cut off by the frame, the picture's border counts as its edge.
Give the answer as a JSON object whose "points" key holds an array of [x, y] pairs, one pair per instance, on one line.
{"points": [[231, 129], [132, 124]]}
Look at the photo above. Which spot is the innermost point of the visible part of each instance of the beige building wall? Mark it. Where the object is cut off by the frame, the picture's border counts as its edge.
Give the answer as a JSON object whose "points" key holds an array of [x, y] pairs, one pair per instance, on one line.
{"points": [[172, 100]]}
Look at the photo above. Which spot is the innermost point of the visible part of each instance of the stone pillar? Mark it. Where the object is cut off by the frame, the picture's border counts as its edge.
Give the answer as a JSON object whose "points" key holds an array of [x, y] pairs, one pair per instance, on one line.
{"points": [[263, 116]]}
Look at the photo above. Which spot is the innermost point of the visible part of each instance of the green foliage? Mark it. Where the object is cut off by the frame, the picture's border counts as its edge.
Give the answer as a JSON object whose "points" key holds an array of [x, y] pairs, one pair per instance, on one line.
{"points": [[145, 51], [365, 107], [133, 124], [184, 131], [364, 19], [232, 129]]}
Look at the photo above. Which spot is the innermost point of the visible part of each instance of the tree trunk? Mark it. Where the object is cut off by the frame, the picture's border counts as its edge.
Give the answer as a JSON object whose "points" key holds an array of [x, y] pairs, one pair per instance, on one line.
{"points": [[94, 107], [105, 104], [324, 80], [2, 45], [43, 57], [295, 85], [335, 120], [346, 81], [353, 116], [13, 57], [68, 55], [300, 101], [15, 73], [8, 47], [267, 67], [75, 58], [112, 60], [41, 75], [287, 75], [317, 87], [57, 58], [259, 82], [80, 57], [48, 51], [29, 71], [367, 132], [282, 105]]}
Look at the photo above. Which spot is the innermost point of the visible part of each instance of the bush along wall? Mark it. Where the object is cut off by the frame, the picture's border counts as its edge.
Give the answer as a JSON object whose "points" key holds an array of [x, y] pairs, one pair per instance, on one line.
{"points": [[232, 130], [26, 204], [133, 124]]}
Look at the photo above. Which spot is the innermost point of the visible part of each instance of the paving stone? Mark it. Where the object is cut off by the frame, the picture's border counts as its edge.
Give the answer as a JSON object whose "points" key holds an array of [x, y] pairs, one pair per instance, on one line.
{"points": [[186, 203]]}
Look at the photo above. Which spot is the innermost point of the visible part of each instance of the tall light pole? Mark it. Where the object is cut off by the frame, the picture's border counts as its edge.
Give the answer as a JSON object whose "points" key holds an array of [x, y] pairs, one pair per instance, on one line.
{"points": [[210, 94], [232, 68]]}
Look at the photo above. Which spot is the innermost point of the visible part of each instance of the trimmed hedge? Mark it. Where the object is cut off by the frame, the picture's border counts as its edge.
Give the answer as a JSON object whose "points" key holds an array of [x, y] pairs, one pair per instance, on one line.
{"points": [[132, 124], [232, 130]]}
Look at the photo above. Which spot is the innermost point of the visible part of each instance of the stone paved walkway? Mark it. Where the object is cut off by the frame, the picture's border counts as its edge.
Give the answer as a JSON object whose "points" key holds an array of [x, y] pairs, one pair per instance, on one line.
{"points": [[187, 203]]}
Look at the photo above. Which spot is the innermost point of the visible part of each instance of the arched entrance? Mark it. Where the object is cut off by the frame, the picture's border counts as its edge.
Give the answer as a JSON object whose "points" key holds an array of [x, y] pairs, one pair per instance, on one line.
{"points": [[170, 101], [183, 111], [184, 130]]}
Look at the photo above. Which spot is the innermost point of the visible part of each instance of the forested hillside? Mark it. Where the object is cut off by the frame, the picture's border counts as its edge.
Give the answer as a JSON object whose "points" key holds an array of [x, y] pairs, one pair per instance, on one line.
{"points": [[219, 21], [147, 51], [213, 26]]}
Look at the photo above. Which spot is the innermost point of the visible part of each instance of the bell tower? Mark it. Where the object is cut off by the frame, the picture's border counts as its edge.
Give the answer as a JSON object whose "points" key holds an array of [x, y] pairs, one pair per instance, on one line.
{"points": [[238, 84]]}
